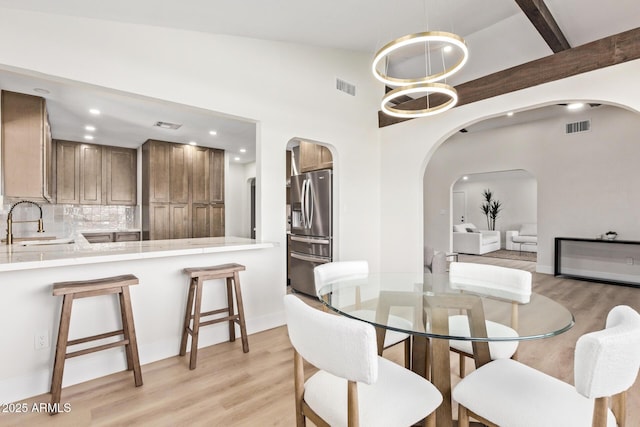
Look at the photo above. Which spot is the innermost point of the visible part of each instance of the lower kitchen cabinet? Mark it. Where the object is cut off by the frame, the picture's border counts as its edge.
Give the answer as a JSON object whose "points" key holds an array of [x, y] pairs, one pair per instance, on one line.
{"points": [[217, 220], [179, 221], [207, 220], [157, 216]]}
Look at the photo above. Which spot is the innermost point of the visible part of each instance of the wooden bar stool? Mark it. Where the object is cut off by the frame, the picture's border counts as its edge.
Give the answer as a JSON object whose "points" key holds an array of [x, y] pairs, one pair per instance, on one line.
{"points": [[194, 305], [91, 288]]}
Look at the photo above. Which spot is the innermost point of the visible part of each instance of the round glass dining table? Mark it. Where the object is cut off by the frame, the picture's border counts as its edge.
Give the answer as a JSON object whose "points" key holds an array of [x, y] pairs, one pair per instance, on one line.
{"points": [[420, 305]]}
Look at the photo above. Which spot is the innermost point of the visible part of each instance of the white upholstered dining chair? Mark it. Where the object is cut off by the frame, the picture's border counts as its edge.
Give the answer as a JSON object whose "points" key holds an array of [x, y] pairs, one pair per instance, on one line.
{"points": [[354, 386], [508, 393], [498, 282], [324, 274]]}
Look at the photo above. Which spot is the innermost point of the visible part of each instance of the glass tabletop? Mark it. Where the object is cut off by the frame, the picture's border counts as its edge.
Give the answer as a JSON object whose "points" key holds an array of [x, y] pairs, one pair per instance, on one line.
{"points": [[430, 305]]}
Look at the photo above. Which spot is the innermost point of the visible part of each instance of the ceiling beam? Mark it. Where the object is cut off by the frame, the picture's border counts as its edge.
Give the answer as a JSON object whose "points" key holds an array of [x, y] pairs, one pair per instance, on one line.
{"points": [[601, 53], [542, 19]]}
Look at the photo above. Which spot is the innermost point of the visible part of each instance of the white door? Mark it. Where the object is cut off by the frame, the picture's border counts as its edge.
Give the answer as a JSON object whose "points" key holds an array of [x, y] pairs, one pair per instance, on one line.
{"points": [[459, 206]]}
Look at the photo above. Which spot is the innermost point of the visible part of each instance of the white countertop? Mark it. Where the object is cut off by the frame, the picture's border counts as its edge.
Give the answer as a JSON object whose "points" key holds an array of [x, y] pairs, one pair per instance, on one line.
{"points": [[18, 257]]}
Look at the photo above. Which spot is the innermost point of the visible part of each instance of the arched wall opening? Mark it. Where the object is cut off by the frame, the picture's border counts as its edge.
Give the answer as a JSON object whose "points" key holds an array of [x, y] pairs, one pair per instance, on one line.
{"points": [[407, 148], [584, 177]]}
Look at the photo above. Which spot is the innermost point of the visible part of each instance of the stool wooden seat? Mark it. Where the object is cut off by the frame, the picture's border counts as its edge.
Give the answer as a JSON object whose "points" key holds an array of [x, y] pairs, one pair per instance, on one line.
{"points": [[91, 288], [194, 306]]}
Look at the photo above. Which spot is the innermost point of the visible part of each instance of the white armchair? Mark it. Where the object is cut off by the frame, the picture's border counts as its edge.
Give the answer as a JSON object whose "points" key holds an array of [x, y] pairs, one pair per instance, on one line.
{"points": [[524, 239], [467, 239]]}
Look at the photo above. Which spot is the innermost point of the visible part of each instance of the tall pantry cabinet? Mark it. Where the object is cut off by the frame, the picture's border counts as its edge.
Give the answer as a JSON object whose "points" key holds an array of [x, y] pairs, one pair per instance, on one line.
{"points": [[182, 191]]}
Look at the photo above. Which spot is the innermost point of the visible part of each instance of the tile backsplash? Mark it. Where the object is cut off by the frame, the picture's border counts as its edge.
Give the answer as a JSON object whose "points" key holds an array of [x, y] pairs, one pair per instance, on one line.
{"points": [[64, 220]]}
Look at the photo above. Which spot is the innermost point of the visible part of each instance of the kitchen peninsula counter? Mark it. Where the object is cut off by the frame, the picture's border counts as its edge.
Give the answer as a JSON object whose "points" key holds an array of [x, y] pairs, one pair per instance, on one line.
{"points": [[17, 257], [29, 310]]}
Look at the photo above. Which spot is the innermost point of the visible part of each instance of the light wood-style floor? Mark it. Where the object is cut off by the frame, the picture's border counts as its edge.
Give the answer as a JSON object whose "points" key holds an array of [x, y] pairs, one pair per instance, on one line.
{"points": [[230, 388]]}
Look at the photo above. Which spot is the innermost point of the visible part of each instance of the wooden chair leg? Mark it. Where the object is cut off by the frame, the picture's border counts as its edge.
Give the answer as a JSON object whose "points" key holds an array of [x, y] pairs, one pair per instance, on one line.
{"points": [[61, 352], [298, 376], [619, 408], [187, 318], [463, 416], [463, 360], [243, 326], [353, 415], [600, 409], [130, 334], [232, 323], [196, 325]]}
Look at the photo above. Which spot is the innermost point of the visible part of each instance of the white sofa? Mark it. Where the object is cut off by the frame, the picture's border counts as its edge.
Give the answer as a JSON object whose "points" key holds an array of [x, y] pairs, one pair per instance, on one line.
{"points": [[467, 239], [528, 233]]}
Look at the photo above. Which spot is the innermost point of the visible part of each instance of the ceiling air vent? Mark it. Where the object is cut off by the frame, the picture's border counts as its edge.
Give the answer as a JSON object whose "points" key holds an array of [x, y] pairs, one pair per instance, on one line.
{"points": [[346, 87], [576, 127], [167, 125]]}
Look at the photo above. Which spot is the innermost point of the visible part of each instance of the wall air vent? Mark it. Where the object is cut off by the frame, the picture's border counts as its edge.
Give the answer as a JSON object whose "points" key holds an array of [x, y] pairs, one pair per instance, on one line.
{"points": [[167, 125], [345, 87], [576, 127]]}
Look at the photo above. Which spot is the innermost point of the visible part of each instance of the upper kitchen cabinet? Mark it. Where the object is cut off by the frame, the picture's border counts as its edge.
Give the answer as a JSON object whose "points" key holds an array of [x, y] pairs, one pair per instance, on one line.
{"points": [[201, 175], [26, 147], [217, 176], [89, 174], [156, 164], [178, 173], [121, 173], [314, 157]]}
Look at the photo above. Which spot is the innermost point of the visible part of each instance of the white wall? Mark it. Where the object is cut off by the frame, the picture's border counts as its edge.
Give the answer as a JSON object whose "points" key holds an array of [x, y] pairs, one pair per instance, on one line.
{"points": [[516, 190], [403, 174]]}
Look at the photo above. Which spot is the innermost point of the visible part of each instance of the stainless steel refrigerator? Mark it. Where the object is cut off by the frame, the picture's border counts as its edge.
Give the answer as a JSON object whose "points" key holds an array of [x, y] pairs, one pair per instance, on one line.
{"points": [[310, 243]]}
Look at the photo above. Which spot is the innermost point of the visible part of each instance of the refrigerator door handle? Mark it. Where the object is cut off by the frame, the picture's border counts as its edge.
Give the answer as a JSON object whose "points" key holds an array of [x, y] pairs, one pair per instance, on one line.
{"points": [[310, 204], [310, 258], [310, 240], [303, 207]]}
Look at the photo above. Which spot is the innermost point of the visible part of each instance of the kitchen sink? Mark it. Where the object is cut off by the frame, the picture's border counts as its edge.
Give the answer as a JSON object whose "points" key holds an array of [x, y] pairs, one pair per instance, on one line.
{"points": [[46, 242]]}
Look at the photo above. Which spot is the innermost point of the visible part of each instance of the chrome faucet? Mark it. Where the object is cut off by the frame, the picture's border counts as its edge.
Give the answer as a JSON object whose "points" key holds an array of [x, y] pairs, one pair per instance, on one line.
{"points": [[10, 220]]}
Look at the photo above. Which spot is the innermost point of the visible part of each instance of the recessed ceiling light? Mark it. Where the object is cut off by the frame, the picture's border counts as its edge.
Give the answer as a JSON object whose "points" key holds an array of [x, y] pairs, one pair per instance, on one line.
{"points": [[464, 178], [575, 106], [236, 159], [213, 132], [41, 90], [90, 128], [95, 111], [243, 150], [89, 137], [193, 143], [510, 113]]}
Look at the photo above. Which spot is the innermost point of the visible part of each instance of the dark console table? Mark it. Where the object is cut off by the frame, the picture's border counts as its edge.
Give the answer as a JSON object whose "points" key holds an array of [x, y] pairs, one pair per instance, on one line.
{"points": [[598, 260]]}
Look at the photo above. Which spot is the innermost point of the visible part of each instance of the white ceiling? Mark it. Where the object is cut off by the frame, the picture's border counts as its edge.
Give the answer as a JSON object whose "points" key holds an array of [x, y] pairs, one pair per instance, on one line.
{"points": [[497, 32]]}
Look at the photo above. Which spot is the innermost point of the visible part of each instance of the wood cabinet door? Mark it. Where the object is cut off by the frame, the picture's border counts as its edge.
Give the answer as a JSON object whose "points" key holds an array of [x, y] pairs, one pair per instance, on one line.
{"points": [[127, 236], [217, 176], [314, 157], [90, 174], [22, 145], [179, 173], [179, 221], [156, 171], [120, 176], [217, 220], [98, 237], [67, 172], [200, 175], [201, 221], [159, 221]]}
